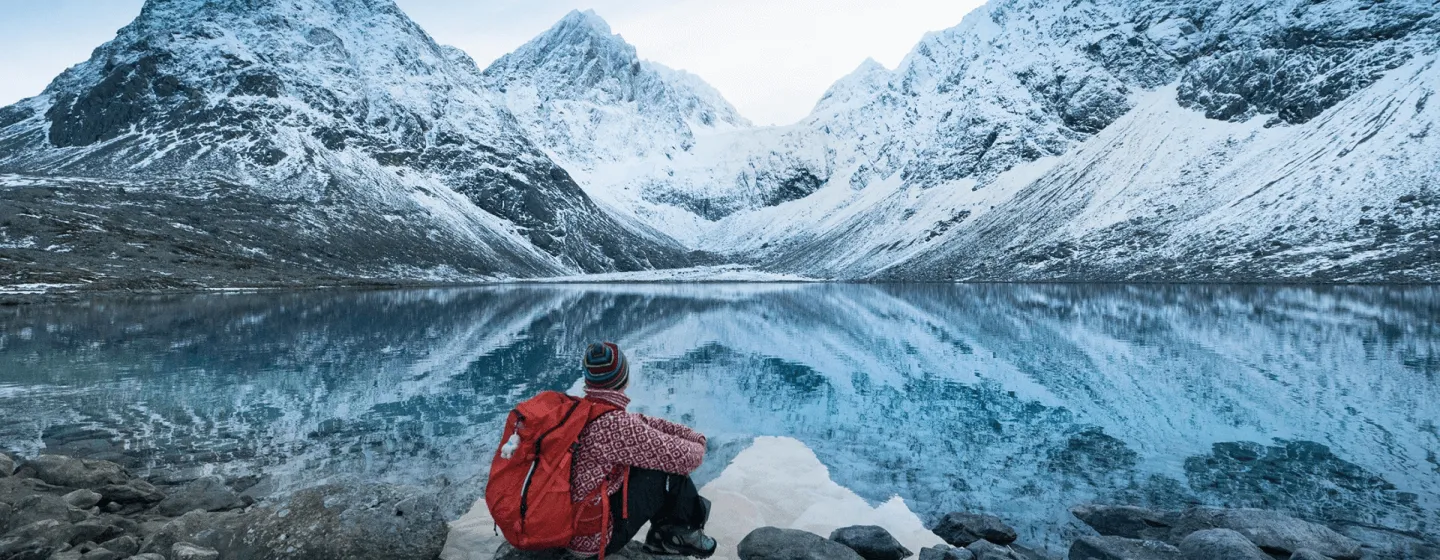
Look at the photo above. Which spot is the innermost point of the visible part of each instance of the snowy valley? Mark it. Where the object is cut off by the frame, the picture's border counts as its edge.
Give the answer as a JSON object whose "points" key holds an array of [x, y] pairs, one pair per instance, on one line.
{"points": [[1112, 140]]}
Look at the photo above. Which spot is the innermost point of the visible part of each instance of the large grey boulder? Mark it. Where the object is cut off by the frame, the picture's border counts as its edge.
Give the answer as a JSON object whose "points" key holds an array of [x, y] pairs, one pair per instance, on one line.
{"points": [[36, 541], [1125, 521], [1274, 532], [945, 552], [83, 498], [1307, 554], [773, 543], [961, 529], [7, 465], [131, 492], [1121, 548], [872, 542], [209, 493], [363, 522], [74, 473], [30, 508], [1220, 544], [125, 545], [986, 550]]}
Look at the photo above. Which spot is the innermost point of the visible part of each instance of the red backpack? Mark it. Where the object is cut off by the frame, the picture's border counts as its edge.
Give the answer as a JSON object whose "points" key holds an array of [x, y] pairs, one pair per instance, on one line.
{"points": [[529, 488]]}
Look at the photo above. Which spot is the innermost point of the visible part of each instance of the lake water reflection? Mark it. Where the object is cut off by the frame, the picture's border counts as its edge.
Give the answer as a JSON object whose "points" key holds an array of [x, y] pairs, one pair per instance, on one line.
{"points": [[1017, 400]]}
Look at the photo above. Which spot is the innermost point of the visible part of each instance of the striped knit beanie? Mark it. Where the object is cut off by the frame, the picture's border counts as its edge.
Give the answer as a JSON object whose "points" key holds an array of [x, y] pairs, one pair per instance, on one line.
{"points": [[605, 367]]}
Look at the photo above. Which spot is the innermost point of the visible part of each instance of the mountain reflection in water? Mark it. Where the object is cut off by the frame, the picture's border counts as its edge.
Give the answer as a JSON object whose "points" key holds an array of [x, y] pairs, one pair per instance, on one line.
{"points": [[1017, 400]]}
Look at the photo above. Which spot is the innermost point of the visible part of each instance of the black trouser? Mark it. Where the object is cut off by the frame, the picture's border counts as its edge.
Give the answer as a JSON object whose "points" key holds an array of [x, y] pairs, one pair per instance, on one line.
{"points": [[659, 498]]}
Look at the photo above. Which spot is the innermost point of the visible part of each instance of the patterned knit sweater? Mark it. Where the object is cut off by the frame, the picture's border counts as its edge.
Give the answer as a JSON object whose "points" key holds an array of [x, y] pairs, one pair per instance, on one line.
{"points": [[616, 441]]}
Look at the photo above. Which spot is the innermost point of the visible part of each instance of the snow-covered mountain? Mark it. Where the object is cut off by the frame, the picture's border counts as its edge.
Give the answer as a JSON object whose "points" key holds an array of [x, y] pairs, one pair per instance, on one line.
{"points": [[1202, 140], [345, 105], [1039, 139]]}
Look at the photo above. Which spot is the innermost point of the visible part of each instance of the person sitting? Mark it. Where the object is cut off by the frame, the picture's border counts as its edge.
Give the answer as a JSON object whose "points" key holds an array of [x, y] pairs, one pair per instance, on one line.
{"points": [[644, 464]]}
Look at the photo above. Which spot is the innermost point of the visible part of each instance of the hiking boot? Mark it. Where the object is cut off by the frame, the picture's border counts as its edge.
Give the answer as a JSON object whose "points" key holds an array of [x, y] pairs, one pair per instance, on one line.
{"points": [[679, 541]]}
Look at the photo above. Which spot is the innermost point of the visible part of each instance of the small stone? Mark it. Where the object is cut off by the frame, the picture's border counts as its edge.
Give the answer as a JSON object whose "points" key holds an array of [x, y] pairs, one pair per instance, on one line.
{"points": [[113, 507], [82, 498], [962, 529], [187, 551], [944, 552], [872, 542], [75, 473], [1307, 554], [1216, 544], [1121, 548], [7, 465], [773, 543]]}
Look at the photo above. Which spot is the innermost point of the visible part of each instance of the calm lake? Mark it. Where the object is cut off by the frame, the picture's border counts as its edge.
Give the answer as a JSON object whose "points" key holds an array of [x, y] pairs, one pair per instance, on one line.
{"points": [[1016, 400]]}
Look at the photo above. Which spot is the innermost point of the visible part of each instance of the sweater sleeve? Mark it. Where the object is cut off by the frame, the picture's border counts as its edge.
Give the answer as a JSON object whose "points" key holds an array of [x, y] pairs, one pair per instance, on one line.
{"points": [[677, 430], [633, 441]]}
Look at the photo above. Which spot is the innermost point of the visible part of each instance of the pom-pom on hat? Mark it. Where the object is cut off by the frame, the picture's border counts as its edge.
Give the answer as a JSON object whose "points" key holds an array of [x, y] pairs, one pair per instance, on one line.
{"points": [[605, 366]]}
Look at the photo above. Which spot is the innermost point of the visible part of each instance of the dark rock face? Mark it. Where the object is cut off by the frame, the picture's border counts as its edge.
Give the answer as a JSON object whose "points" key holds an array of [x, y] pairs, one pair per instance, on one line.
{"points": [[1125, 521], [208, 494], [74, 473], [872, 542], [771, 543], [132, 492], [362, 522], [961, 529], [1120, 548], [1220, 543]]}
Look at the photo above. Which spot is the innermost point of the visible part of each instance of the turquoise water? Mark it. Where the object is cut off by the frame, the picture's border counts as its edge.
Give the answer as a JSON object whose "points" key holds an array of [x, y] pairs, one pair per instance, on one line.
{"points": [[1019, 400]]}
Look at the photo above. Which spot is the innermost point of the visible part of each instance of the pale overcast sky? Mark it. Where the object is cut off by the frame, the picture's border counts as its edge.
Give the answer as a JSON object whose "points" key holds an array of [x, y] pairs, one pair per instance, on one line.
{"points": [[771, 58]]}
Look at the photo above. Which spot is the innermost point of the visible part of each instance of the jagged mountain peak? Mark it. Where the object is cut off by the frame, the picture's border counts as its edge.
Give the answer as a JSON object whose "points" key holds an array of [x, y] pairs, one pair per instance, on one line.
{"points": [[585, 95], [859, 86]]}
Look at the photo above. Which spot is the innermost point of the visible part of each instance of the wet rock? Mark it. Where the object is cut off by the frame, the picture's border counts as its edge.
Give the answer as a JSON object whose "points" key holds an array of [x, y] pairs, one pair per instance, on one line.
{"points": [[361, 522], [773, 543], [1307, 554], [31, 508], [74, 473], [206, 493], [1381, 542], [82, 498], [125, 545], [872, 542], [1273, 532], [7, 465], [986, 550], [1121, 548], [102, 554], [944, 552], [1220, 544], [1125, 521], [37, 540], [94, 530], [961, 529], [132, 492], [187, 551]]}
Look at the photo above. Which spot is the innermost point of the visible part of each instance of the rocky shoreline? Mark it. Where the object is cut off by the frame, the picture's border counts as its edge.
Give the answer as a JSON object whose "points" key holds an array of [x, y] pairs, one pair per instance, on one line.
{"points": [[66, 508]]}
